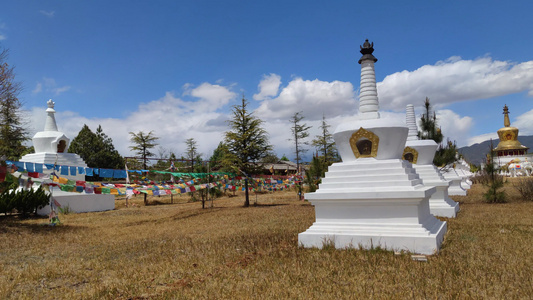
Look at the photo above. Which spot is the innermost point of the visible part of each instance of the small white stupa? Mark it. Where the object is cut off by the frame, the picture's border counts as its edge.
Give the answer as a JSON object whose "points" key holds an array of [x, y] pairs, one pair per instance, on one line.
{"points": [[421, 153], [373, 198], [456, 188], [51, 147]]}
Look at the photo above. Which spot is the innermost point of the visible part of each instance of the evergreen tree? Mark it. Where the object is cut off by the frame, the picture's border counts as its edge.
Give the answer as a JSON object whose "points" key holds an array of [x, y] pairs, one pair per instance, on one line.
{"points": [[96, 149], [446, 154], [428, 124], [218, 158], [325, 144], [270, 158], [495, 181], [143, 142], [247, 142], [191, 152], [299, 133], [12, 131]]}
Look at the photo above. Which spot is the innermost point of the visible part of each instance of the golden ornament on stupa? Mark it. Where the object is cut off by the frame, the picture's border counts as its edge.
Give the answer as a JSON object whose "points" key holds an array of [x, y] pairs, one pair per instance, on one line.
{"points": [[509, 144]]}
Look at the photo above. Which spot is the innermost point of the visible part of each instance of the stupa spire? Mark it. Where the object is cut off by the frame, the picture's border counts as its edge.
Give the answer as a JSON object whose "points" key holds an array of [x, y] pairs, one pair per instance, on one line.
{"points": [[506, 121], [50, 124], [410, 120], [368, 95]]}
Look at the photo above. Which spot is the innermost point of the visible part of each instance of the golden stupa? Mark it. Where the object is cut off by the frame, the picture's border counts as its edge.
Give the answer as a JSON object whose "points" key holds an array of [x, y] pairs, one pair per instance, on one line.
{"points": [[509, 144]]}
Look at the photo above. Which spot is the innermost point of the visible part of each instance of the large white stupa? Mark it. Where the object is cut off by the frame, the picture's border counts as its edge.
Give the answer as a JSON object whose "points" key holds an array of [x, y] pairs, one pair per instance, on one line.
{"points": [[373, 198], [51, 147], [421, 153]]}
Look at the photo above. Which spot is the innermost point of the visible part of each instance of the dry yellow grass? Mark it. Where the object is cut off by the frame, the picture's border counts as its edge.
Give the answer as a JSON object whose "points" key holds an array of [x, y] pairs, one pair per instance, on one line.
{"points": [[180, 251]]}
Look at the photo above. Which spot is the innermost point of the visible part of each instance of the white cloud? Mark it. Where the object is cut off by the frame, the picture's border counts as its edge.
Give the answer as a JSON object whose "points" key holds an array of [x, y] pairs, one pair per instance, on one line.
{"points": [[313, 98], [268, 87], [481, 138], [49, 85], [455, 80], [2, 35], [38, 88], [60, 90], [172, 119], [49, 14], [454, 127], [212, 96], [524, 123]]}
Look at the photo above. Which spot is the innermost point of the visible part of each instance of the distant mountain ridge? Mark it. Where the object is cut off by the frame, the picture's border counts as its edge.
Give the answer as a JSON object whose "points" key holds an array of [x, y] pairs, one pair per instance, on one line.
{"points": [[476, 153]]}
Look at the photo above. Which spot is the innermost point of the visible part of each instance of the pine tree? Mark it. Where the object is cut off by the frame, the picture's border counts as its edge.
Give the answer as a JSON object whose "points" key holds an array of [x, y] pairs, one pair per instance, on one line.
{"points": [[218, 158], [495, 181], [299, 133], [446, 154], [428, 124], [325, 144], [143, 142], [191, 152], [12, 131], [247, 142], [96, 149]]}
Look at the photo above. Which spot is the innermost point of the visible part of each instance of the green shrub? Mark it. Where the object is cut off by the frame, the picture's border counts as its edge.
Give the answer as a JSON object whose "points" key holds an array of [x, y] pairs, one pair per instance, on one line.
{"points": [[23, 201], [524, 185], [493, 194]]}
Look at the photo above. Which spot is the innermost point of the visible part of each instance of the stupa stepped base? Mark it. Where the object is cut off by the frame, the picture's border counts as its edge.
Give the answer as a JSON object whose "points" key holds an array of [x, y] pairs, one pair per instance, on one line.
{"points": [[61, 159], [366, 173], [455, 188], [392, 224], [366, 211], [80, 202], [439, 204]]}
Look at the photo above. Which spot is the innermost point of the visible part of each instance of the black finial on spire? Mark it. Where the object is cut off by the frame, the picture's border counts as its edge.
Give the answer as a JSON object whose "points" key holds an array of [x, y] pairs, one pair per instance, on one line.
{"points": [[367, 49]]}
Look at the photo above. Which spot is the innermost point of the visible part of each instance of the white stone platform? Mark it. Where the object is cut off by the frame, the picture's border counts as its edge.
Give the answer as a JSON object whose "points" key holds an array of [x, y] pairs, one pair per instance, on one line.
{"points": [[455, 188], [369, 203], [440, 204], [80, 202]]}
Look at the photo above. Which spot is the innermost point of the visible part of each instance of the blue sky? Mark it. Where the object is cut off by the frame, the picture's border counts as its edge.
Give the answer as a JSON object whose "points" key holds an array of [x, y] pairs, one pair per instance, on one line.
{"points": [[177, 67]]}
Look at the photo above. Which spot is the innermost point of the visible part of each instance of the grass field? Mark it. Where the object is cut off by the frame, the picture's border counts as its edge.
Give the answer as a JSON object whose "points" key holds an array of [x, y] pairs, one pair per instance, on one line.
{"points": [[180, 251]]}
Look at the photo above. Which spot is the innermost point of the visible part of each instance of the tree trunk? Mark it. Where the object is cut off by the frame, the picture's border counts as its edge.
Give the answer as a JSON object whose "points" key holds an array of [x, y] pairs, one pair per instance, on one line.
{"points": [[247, 201]]}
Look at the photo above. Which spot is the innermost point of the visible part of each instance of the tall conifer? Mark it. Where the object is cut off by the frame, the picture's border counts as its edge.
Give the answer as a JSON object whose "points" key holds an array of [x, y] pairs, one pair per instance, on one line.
{"points": [[247, 142], [12, 130]]}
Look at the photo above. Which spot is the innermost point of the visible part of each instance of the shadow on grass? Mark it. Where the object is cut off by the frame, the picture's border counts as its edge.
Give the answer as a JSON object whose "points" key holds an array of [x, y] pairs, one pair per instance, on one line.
{"points": [[268, 205], [15, 224]]}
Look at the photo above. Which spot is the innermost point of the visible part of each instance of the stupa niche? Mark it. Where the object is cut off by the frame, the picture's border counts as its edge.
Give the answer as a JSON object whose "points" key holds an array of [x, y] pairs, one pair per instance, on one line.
{"points": [[373, 197], [421, 154]]}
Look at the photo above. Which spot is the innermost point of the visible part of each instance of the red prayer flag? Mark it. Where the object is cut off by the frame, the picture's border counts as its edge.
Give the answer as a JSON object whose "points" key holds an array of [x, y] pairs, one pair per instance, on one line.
{"points": [[33, 174]]}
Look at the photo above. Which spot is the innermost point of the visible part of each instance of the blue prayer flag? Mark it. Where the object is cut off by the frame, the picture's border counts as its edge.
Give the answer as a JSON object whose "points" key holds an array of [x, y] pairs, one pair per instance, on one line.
{"points": [[89, 171], [81, 170], [39, 168], [30, 167], [19, 165], [119, 174], [64, 170], [108, 173], [73, 171]]}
